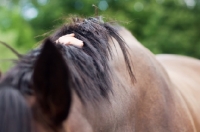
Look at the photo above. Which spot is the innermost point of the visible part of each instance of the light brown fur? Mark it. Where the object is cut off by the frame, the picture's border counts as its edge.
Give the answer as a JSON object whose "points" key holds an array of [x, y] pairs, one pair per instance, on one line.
{"points": [[184, 72], [164, 97]]}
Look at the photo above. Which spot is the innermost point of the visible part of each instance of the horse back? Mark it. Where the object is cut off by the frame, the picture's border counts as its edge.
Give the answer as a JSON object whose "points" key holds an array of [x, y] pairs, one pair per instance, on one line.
{"points": [[184, 73]]}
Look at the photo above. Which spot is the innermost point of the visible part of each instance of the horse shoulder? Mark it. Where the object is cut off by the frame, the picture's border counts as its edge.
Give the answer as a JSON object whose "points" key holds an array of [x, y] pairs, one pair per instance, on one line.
{"points": [[150, 94], [184, 73]]}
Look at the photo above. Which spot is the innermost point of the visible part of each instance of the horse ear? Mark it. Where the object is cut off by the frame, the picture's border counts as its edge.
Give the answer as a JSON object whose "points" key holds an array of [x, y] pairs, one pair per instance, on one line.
{"points": [[51, 81]]}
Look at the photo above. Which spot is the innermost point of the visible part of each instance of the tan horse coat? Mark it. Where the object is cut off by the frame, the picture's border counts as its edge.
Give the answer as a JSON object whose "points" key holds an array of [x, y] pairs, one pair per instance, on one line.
{"points": [[184, 72], [183, 86], [164, 97]]}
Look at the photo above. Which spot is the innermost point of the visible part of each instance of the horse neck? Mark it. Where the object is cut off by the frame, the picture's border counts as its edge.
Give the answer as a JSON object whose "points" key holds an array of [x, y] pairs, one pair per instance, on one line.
{"points": [[151, 95], [148, 104], [130, 107]]}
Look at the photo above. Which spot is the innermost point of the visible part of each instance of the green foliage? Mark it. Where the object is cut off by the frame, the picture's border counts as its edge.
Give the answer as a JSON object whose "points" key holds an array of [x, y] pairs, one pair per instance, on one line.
{"points": [[163, 26], [15, 31]]}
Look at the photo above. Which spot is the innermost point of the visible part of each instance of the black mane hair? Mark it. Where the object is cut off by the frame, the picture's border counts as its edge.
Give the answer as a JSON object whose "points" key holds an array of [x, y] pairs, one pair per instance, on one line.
{"points": [[89, 66]]}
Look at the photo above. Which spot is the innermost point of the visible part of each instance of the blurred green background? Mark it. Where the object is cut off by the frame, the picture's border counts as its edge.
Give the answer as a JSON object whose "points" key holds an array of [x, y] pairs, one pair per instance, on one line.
{"points": [[163, 26]]}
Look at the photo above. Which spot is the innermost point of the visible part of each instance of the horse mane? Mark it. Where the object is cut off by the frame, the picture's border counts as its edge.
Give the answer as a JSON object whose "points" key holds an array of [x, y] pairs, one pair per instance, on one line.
{"points": [[89, 65]]}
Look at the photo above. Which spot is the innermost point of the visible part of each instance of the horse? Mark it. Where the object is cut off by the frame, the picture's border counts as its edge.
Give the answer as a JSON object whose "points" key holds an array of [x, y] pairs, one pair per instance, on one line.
{"points": [[112, 84]]}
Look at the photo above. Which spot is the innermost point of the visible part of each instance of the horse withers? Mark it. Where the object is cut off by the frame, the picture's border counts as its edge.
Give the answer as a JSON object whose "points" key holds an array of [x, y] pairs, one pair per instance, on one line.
{"points": [[106, 86]]}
